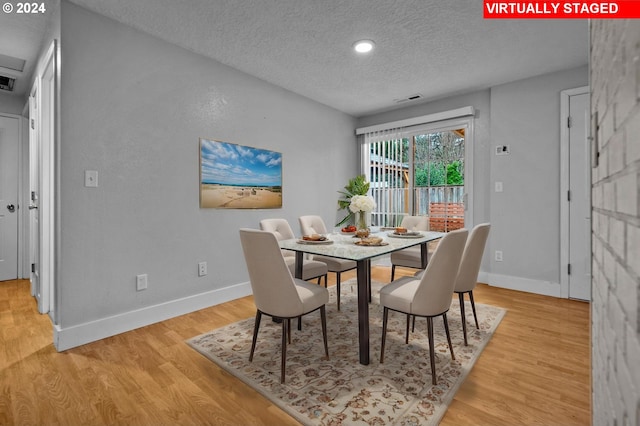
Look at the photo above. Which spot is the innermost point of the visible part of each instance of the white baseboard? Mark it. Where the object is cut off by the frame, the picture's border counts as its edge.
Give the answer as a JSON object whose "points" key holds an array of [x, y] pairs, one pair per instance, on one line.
{"points": [[546, 288], [77, 335], [70, 337]]}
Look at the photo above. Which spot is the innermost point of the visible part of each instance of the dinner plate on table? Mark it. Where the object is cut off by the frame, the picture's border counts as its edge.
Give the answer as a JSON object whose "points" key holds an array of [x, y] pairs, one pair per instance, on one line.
{"points": [[365, 244], [315, 242], [411, 234]]}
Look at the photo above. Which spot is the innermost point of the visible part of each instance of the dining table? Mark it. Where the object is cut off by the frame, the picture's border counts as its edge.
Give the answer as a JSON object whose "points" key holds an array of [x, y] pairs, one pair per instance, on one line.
{"points": [[347, 246]]}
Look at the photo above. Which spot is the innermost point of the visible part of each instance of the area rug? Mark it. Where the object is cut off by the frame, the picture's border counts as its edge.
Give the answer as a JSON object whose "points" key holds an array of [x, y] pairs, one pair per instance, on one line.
{"points": [[341, 391]]}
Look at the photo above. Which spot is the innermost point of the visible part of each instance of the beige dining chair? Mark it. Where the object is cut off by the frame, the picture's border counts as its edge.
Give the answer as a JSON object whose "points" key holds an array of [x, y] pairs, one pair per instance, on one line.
{"points": [[428, 296], [410, 257], [276, 292], [311, 224], [469, 269], [311, 269]]}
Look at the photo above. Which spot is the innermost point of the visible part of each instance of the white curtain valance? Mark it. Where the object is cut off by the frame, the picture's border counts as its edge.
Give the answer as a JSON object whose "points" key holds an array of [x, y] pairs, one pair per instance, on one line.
{"points": [[430, 118]]}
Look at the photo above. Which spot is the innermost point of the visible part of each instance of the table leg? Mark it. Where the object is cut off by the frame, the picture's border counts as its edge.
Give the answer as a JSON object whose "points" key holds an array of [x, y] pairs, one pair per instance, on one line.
{"points": [[424, 255], [299, 261], [364, 278], [298, 274]]}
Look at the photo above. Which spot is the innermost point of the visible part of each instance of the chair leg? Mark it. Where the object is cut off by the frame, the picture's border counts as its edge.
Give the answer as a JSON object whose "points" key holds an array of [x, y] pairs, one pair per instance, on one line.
{"points": [[393, 271], [289, 329], [432, 355], [323, 316], [283, 356], [338, 288], [385, 316], [473, 307], [446, 329], [255, 334], [463, 318], [413, 326], [406, 338]]}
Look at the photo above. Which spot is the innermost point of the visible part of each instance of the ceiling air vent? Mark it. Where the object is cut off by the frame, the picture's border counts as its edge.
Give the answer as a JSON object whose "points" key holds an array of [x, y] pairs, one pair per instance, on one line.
{"points": [[6, 83], [409, 98]]}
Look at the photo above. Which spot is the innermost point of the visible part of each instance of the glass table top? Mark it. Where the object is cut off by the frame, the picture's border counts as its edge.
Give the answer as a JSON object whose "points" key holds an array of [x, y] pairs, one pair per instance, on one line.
{"points": [[344, 246]]}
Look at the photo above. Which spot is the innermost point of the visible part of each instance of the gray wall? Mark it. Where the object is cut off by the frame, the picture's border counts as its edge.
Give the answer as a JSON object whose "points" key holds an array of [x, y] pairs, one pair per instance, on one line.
{"points": [[11, 104], [615, 307], [525, 218], [133, 108]]}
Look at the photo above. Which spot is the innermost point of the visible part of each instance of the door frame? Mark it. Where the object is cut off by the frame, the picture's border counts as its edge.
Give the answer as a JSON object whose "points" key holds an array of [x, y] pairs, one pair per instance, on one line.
{"points": [[46, 84], [32, 162], [565, 96]]}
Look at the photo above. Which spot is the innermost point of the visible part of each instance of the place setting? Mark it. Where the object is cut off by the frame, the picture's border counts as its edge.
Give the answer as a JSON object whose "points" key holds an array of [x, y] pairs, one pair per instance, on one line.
{"points": [[315, 239], [401, 232]]}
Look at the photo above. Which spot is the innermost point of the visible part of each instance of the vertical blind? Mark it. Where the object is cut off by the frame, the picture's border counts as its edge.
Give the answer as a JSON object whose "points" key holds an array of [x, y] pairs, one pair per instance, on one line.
{"points": [[387, 174]]}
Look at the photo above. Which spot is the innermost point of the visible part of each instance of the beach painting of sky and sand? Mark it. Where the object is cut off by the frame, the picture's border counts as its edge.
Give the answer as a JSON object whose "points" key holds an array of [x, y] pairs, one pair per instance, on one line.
{"points": [[239, 177]]}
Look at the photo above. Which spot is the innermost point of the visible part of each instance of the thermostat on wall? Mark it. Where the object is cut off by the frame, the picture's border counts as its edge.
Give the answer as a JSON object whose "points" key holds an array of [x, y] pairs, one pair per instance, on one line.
{"points": [[502, 150]]}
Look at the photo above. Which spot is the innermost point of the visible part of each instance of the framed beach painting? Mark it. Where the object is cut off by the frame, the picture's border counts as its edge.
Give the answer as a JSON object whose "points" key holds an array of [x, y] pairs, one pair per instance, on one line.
{"points": [[239, 177]]}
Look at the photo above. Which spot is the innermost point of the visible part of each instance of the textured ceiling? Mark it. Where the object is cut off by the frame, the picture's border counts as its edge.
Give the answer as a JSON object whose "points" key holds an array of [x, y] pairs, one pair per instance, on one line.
{"points": [[434, 48]]}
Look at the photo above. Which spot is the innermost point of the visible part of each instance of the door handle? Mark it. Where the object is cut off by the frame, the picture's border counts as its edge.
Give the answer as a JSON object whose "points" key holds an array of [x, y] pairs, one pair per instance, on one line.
{"points": [[31, 207], [11, 208]]}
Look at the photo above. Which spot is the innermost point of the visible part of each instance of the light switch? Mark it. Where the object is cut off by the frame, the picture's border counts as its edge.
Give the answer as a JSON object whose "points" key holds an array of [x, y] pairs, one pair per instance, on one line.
{"points": [[498, 186], [91, 178]]}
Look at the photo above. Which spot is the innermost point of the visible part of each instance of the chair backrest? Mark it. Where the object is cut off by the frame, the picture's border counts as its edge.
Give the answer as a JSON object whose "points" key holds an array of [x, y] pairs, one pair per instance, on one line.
{"points": [[472, 258], [312, 225], [415, 223], [272, 284], [279, 227], [433, 295]]}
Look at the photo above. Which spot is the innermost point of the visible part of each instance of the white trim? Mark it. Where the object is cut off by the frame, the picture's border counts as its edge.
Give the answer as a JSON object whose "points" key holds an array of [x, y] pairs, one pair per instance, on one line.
{"points": [[48, 142], [69, 337], [430, 118], [545, 288], [564, 185]]}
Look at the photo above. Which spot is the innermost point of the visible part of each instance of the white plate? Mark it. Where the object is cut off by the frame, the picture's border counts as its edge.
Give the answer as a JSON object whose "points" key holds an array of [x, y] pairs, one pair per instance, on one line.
{"points": [[407, 235], [380, 244], [314, 242]]}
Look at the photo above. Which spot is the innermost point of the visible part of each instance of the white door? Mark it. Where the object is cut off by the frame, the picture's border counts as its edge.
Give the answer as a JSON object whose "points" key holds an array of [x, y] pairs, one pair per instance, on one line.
{"points": [[34, 191], [9, 157], [579, 197]]}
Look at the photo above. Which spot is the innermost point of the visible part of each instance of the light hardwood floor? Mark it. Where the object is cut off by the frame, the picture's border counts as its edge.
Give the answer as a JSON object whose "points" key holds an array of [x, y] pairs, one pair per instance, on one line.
{"points": [[535, 370]]}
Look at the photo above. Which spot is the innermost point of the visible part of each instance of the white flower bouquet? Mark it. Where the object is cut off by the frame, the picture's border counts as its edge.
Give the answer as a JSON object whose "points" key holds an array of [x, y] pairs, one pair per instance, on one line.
{"points": [[362, 203]]}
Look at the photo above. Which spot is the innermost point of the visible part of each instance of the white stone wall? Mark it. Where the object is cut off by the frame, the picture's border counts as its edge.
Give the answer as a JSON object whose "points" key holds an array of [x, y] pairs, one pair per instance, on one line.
{"points": [[615, 309]]}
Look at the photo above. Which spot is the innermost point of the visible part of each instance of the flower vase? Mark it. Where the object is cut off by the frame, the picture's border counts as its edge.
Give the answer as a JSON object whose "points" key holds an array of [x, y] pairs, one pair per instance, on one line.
{"points": [[361, 224]]}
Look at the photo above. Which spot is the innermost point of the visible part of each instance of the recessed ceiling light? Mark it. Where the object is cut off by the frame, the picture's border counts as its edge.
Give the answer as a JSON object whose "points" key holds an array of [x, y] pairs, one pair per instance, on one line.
{"points": [[363, 46]]}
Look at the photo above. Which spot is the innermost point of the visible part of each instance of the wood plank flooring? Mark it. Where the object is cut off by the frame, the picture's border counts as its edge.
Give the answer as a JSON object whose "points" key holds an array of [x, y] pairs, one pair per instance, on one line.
{"points": [[535, 370]]}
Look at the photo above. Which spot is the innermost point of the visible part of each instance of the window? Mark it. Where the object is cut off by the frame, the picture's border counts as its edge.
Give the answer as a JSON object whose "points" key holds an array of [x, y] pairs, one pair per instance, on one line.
{"points": [[421, 170]]}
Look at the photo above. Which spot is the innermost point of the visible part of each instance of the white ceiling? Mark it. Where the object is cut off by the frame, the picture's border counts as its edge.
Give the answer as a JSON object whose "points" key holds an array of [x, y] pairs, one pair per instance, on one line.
{"points": [[430, 47]]}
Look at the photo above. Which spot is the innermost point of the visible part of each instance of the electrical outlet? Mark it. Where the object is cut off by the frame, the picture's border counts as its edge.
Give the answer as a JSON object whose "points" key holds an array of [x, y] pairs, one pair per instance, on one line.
{"points": [[141, 282], [498, 255], [202, 269]]}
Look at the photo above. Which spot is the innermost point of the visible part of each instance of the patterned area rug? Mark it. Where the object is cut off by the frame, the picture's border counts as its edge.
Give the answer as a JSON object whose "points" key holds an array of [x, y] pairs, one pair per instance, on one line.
{"points": [[341, 391]]}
